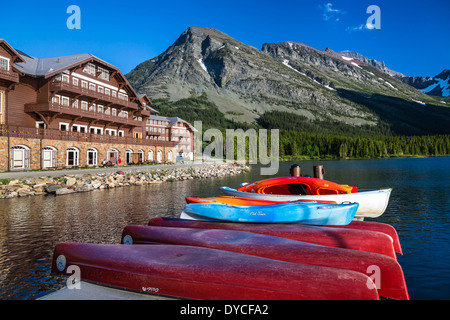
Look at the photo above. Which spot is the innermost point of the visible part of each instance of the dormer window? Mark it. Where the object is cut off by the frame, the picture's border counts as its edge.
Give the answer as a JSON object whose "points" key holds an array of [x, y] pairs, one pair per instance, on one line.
{"points": [[89, 69], [103, 74], [4, 63]]}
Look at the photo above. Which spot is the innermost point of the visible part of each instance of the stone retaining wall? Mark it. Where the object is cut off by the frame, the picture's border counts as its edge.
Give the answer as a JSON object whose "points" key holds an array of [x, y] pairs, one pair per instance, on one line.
{"points": [[88, 182]]}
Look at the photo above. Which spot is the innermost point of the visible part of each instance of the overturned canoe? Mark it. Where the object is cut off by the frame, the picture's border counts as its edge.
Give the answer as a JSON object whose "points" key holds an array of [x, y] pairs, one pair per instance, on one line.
{"points": [[369, 241], [376, 226], [391, 281], [372, 203], [199, 273], [312, 213]]}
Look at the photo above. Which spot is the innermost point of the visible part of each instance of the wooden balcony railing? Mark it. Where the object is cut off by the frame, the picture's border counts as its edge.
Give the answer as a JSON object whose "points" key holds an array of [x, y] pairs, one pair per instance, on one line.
{"points": [[78, 112], [58, 86], [9, 75], [52, 134]]}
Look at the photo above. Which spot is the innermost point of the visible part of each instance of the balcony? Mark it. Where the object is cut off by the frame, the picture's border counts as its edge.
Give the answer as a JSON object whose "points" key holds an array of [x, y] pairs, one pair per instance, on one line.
{"points": [[52, 134], [52, 108], [63, 86], [181, 135], [9, 75]]}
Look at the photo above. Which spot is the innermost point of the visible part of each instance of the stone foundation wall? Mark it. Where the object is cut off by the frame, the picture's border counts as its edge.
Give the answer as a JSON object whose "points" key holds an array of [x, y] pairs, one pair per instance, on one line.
{"points": [[61, 146]]}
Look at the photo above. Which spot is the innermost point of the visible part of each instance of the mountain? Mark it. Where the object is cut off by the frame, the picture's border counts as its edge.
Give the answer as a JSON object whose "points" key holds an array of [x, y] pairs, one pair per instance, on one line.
{"points": [[375, 63], [321, 86], [435, 86]]}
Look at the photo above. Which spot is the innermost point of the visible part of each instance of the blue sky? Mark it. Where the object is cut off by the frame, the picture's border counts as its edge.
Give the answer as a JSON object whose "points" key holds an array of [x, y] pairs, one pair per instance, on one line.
{"points": [[413, 39]]}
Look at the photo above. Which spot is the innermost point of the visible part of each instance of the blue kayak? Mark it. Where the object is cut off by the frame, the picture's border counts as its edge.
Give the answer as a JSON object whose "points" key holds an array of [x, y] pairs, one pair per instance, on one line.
{"points": [[311, 213]]}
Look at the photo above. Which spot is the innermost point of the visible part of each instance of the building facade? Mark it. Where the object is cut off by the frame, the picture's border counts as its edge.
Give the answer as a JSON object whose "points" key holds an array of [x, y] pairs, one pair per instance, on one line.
{"points": [[74, 111]]}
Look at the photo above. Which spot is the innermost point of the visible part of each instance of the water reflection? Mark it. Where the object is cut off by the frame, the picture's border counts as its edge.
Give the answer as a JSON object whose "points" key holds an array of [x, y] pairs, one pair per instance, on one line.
{"points": [[31, 227]]}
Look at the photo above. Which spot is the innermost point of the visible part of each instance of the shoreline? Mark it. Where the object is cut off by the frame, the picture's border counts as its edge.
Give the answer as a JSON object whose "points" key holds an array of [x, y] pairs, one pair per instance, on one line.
{"points": [[85, 180]]}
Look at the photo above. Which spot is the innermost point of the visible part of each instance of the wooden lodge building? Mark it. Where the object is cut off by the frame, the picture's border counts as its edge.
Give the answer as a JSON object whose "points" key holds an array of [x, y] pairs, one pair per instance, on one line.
{"points": [[78, 111]]}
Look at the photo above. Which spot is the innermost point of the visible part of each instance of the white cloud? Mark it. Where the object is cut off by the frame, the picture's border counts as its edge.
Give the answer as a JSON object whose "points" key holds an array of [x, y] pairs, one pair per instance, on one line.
{"points": [[361, 27], [329, 13]]}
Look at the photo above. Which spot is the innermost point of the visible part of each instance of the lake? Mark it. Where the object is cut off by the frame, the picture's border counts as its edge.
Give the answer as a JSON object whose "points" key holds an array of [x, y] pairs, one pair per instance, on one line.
{"points": [[30, 227]]}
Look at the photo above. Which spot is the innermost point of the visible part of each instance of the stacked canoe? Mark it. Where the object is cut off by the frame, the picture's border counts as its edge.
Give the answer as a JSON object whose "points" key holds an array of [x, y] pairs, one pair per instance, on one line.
{"points": [[218, 256]]}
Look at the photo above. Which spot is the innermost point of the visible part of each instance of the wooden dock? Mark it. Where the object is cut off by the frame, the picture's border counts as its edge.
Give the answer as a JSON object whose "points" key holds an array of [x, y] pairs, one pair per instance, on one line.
{"points": [[90, 291]]}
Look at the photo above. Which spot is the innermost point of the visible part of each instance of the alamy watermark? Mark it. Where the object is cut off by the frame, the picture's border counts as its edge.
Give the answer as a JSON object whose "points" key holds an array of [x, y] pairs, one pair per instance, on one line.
{"points": [[74, 20], [374, 21], [232, 148]]}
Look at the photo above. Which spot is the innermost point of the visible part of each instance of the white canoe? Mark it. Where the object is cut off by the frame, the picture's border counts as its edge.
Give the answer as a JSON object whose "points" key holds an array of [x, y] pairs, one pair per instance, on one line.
{"points": [[372, 203]]}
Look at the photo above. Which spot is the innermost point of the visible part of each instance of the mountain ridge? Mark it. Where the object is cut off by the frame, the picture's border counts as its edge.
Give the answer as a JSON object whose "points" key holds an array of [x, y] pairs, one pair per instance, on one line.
{"points": [[245, 82]]}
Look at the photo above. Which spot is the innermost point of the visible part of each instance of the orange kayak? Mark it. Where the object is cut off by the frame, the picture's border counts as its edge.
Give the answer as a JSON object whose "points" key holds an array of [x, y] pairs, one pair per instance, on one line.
{"points": [[297, 186], [239, 201]]}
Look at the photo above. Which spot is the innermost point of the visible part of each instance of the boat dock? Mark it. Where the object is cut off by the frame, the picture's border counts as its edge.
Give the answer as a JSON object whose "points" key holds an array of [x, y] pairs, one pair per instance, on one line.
{"points": [[91, 291]]}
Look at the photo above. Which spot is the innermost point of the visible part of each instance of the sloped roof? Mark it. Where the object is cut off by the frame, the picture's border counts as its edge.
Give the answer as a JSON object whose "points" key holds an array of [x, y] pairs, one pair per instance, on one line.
{"points": [[46, 66], [173, 120], [11, 50]]}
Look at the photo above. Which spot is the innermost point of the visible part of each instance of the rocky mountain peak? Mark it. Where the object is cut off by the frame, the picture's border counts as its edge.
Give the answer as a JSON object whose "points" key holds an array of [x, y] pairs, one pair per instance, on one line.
{"points": [[244, 82]]}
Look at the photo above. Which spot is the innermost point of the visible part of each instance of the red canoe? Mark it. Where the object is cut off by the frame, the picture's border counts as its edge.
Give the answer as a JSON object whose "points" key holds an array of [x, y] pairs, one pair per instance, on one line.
{"points": [[360, 225], [370, 241], [200, 273], [375, 226], [392, 282]]}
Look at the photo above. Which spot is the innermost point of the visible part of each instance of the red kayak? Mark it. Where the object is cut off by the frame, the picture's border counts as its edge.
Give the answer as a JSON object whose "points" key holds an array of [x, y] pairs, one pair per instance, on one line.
{"points": [[200, 273], [375, 226], [370, 241], [392, 282]]}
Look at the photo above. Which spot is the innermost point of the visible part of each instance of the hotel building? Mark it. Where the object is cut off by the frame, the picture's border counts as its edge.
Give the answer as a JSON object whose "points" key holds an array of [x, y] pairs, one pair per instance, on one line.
{"points": [[78, 111]]}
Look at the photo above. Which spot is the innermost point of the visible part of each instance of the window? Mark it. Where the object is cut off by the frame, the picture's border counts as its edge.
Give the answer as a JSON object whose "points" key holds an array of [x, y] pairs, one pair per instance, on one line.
{"points": [[75, 81], [84, 84], [114, 112], [123, 114], [100, 108], [56, 99], [4, 63], [84, 105], [104, 74], [123, 96], [72, 157], [65, 78], [63, 126], [100, 89], [92, 107], [150, 155], [75, 104], [95, 130], [20, 157], [107, 91], [92, 157], [65, 101], [90, 69], [114, 94], [48, 157], [79, 128], [2, 106], [159, 156], [92, 86], [111, 132], [121, 133]]}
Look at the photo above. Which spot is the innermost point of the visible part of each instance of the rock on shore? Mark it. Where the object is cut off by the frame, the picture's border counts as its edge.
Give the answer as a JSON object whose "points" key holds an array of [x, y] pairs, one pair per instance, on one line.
{"points": [[68, 184]]}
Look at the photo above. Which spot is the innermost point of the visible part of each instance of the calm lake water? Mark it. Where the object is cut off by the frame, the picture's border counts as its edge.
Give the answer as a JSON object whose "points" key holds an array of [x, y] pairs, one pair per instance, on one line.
{"points": [[419, 209]]}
